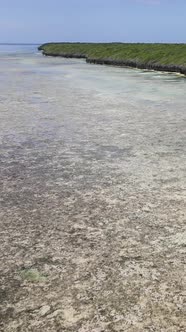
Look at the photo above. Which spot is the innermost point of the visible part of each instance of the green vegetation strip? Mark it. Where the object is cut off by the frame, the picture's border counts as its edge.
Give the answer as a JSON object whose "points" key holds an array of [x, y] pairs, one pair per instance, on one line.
{"points": [[163, 57]]}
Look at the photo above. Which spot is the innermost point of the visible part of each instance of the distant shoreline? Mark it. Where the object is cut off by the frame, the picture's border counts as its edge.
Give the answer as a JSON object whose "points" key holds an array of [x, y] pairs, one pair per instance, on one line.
{"points": [[26, 44], [159, 57]]}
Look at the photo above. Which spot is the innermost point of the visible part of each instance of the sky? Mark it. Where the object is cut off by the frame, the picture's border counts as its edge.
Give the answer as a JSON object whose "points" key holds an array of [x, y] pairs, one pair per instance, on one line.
{"points": [[39, 21]]}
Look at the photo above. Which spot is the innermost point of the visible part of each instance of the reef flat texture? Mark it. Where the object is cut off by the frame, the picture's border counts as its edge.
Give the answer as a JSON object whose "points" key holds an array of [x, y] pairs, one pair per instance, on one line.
{"points": [[160, 57], [92, 218]]}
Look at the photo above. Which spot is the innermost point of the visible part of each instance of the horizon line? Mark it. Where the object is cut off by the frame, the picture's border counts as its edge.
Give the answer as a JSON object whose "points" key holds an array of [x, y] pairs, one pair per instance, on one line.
{"points": [[19, 43]]}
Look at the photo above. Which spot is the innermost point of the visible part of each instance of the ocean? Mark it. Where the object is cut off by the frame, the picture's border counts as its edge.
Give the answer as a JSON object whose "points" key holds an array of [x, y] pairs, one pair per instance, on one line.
{"points": [[92, 200]]}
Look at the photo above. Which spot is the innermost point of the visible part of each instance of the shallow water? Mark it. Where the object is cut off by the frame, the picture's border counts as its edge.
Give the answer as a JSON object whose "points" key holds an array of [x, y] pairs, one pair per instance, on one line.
{"points": [[93, 188], [44, 97]]}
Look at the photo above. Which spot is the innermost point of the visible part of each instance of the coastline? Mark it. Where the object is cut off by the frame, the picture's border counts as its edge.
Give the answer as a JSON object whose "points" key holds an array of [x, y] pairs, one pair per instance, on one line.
{"points": [[49, 49], [92, 226]]}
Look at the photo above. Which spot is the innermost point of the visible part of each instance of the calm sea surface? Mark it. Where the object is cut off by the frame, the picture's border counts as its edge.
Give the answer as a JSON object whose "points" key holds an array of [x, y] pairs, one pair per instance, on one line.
{"points": [[55, 108], [92, 195]]}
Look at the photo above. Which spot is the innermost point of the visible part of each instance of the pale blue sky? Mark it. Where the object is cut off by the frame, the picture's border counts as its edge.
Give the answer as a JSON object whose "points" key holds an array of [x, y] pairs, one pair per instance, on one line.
{"points": [[93, 20]]}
